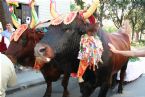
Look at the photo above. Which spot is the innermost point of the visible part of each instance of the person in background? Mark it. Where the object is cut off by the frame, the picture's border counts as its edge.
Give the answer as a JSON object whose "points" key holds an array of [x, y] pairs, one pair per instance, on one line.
{"points": [[7, 74], [9, 31], [131, 53]]}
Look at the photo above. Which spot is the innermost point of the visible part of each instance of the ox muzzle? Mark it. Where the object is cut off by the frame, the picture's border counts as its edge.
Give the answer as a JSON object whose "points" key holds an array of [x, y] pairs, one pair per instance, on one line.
{"points": [[43, 53]]}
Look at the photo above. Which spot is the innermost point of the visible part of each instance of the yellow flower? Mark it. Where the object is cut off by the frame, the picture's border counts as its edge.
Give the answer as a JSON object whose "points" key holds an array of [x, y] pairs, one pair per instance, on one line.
{"points": [[13, 3]]}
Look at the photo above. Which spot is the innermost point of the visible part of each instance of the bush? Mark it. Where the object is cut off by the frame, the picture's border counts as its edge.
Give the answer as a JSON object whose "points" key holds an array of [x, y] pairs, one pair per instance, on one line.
{"points": [[139, 44]]}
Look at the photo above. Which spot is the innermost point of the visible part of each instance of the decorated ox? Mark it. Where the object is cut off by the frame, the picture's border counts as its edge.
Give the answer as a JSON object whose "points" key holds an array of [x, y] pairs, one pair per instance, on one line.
{"points": [[21, 51], [60, 45]]}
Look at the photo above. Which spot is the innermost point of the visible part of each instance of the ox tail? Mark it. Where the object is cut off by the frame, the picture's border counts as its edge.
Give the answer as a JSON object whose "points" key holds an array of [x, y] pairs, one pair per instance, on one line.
{"points": [[126, 28]]}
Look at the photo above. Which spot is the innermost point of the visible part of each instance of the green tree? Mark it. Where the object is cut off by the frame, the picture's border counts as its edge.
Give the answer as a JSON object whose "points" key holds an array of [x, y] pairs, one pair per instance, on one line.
{"points": [[80, 3], [137, 17], [117, 10]]}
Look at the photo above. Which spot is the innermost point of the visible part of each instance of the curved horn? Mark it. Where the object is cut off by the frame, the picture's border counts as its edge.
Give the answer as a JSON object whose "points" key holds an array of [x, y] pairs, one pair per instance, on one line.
{"points": [[15, 20], [53, 12], [11, 4], [34, 19], [92, 9]]}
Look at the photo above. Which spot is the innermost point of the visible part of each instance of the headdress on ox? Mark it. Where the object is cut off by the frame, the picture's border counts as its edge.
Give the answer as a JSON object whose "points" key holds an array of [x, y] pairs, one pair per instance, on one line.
{"points": [[66, 19], [71, 16], [19, 31]]}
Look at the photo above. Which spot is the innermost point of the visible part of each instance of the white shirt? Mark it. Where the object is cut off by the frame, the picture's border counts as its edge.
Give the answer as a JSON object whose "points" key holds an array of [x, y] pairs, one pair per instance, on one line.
{"points": [[7, 74]]}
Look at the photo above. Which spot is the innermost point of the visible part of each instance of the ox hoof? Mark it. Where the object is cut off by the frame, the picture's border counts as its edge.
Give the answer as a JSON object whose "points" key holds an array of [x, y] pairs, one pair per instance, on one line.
{"points": [[47, 95], [66, 94], [120, 91], [114, 85]]}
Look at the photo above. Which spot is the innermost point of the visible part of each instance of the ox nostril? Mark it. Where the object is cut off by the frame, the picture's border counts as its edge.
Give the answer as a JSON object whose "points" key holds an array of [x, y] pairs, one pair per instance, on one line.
{"points": [[42, 50]]}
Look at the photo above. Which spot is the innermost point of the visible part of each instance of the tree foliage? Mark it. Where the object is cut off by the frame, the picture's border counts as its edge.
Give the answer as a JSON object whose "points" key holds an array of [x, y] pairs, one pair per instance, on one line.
{"points": [[119, 10]]}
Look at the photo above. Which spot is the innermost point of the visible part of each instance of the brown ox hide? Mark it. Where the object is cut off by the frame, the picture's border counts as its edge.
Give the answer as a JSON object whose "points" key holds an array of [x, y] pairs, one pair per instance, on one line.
{"points": [[112, 63], [64, 41], [22, 52]]}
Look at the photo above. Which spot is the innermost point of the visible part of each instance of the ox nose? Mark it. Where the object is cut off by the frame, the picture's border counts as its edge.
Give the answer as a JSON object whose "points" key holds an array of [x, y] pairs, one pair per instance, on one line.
{"points": [[42, 50], [39, 50]]}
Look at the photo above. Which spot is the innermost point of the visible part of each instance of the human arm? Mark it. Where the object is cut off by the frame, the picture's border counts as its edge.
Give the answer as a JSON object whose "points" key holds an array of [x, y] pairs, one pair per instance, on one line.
{"points": [[132, 53]]}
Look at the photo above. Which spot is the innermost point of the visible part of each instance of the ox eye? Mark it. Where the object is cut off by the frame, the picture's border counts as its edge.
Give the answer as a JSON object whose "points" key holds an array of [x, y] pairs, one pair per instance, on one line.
{"points": [[24, 41]]}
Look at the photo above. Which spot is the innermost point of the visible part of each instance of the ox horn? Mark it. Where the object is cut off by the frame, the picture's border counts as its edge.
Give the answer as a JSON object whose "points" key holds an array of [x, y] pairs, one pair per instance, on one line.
{"points": [[34, 19], [11, 5], [53, 12], [14, 20], [92, 9]]}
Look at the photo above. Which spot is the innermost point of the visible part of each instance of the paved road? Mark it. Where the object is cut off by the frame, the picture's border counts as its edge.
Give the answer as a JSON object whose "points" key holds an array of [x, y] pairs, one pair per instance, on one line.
{"points": [[132, 89]]}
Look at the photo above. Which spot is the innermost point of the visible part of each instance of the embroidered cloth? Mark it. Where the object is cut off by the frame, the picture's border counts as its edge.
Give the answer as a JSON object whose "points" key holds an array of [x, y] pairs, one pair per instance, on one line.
{"points": [[90, 53]]}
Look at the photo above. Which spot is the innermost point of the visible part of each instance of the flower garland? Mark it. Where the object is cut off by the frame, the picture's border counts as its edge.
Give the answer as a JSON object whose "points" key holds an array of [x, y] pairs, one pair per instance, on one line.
{"points": [[90, 49]]}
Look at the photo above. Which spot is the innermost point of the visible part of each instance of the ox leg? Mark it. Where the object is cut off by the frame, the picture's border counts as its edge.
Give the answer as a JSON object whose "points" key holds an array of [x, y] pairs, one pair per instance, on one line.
{"points": [[105, 86], [48, 89], [65, 84], [114, 81], [103, 90], [48, 82], [122, 75]]}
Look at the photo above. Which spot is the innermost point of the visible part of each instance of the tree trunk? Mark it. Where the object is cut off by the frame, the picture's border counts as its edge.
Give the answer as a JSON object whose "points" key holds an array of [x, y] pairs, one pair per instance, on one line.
{"points": [[140, 38], [137, 37], [132, 34], [4, 13], [101, 14]]}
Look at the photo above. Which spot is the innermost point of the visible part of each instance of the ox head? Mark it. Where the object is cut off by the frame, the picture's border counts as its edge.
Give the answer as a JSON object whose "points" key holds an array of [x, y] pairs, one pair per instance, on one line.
{"points": [[21, 49], [58, 39], [62, 36]]}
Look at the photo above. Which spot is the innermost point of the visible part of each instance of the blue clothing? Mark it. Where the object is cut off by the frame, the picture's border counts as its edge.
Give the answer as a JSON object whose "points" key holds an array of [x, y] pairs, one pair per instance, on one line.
{"points": [[6, 34]]}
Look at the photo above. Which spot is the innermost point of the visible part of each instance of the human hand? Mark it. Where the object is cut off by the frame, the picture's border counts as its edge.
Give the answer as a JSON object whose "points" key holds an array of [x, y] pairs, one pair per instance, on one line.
{"points": [[112, 48]]}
